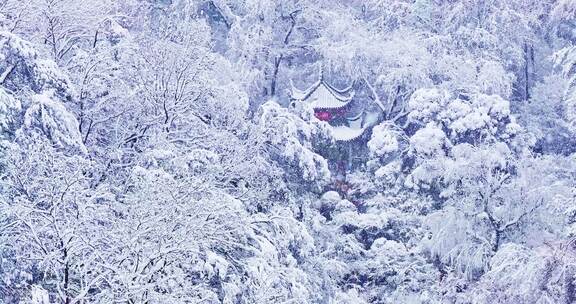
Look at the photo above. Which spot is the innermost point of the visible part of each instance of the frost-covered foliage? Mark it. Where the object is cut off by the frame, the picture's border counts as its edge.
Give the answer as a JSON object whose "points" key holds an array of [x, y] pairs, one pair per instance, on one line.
{"points": [[474, 118], [291, 136], [46, 119], [384, 140], [151, 152], [22, 68], [519, 274], [10, 108]]}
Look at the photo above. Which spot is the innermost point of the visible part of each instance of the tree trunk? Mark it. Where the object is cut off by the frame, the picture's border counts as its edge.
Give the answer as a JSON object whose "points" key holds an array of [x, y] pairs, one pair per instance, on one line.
{"points": [[66, 275], [497, 240], [277, 62], [279, 58], [528, 61], [570, 290]]}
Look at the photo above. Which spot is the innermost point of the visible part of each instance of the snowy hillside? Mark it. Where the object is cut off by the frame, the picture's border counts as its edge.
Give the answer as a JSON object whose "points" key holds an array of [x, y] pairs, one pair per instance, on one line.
{"points": [[287, 151]]}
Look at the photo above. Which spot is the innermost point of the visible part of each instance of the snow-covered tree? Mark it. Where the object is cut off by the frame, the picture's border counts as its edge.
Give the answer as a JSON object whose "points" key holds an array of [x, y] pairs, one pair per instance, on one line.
{"points": [[290, 138], [151, 152]]}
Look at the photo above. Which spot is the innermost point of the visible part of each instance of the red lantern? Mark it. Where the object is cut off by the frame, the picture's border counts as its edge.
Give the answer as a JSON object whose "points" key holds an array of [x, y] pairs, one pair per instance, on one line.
{"points": [[323, 115]]}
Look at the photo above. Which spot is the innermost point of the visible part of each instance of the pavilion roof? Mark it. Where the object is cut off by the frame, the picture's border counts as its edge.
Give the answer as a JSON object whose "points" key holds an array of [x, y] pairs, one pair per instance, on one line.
{"points": [[322, 95], [344, 133]]}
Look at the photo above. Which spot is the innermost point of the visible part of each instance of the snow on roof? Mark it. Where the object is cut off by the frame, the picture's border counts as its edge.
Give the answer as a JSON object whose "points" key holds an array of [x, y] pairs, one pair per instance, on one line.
{"points": [[324, 96], [357, 122], [298, 94], [343, 133]]}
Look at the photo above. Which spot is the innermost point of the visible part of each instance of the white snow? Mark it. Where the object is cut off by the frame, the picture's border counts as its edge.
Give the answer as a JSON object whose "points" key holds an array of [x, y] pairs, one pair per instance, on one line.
{"points": [[383, 140], [428, 141], [16, 44], [426, 103], [290, 133], [9, 107], [321, 96], [331, 196], [39, 295], [343, 133], [52, 119], [191, 187], [301, 94]]}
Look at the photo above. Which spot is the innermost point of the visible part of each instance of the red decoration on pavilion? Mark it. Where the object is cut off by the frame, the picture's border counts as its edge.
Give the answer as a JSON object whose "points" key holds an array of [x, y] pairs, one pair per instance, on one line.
{"points": [[323, 115]]}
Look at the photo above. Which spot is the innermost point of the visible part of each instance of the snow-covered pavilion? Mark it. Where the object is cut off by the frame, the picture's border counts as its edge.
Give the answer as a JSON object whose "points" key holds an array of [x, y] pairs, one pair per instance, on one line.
{"points": [[333, 106]]}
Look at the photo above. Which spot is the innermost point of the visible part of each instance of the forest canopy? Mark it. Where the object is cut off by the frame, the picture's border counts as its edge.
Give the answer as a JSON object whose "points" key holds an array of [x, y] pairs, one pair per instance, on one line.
{"points": [[287, 151]]}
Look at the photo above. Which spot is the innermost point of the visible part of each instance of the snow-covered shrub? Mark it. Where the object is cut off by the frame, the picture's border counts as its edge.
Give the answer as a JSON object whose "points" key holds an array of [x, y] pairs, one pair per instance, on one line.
{"points": [[426, 104], [428, 142], [291, 138], [49, 119], [10, 108], [384, 140], [21, 67]]}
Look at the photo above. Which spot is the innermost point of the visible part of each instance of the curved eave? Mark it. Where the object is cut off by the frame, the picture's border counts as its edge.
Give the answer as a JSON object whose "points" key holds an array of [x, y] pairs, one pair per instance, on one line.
{"points": [[340, 94], [298, 94], [356, 117], [346, 134], [343, 95], [331, 107], [347, 140]]}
